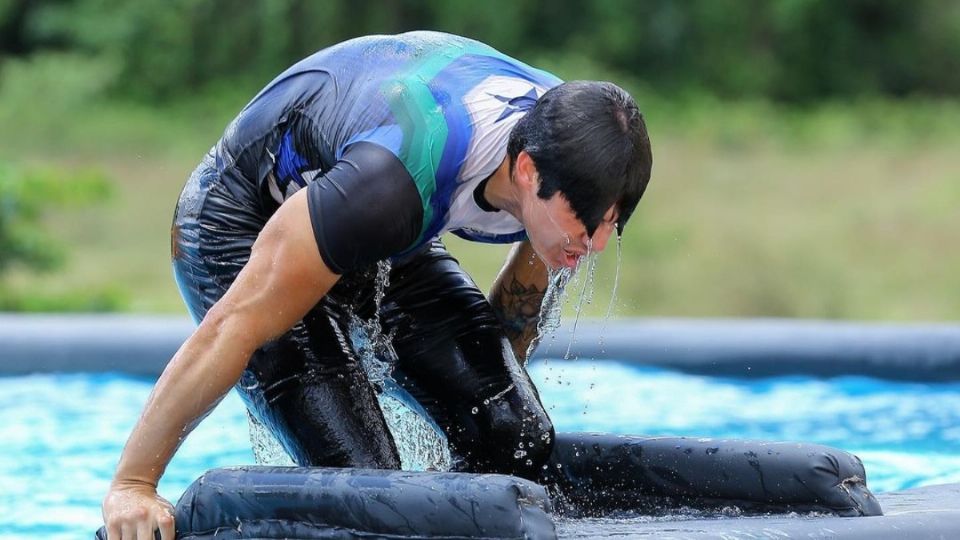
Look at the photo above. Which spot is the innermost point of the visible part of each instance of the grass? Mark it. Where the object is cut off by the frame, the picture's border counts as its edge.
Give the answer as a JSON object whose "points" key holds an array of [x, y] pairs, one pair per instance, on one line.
{"points": [[842, 210]]}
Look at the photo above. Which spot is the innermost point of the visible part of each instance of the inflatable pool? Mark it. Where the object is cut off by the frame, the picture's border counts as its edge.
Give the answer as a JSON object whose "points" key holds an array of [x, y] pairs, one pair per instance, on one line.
{"points": [[677, 487], [589, 475], [739, 348], [595, 485]]}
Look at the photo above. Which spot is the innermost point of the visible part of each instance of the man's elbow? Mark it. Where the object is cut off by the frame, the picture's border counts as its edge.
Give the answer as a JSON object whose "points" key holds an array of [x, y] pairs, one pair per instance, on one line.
{"points": [[227, 324]]}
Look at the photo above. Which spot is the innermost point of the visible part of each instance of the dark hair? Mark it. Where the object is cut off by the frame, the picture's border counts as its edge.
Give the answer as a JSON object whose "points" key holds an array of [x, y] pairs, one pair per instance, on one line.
{"points": [[589, 142]]}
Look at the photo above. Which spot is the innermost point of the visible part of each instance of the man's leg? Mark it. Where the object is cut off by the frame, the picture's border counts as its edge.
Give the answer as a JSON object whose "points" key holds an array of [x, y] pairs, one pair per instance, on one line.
{"points": [[307, 386], [454, 358]]}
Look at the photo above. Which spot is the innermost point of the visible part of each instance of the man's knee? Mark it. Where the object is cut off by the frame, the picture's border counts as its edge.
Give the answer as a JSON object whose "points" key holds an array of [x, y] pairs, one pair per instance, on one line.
{"points": [[520, 439]]}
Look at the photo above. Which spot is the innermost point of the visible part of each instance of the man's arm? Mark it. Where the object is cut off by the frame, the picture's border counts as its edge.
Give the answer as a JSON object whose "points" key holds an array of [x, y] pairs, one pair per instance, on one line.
{"points": [[284, 278], [516, 296]]}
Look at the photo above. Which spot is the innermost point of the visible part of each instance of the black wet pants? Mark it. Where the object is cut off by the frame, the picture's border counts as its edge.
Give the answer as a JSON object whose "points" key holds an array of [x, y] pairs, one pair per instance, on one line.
{"points": [[308, 386]]}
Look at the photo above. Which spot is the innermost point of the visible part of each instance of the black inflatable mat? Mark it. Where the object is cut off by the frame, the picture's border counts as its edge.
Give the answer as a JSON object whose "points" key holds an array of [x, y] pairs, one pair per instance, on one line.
{"points": [[926, 513], [601, 473], [590, 475]]}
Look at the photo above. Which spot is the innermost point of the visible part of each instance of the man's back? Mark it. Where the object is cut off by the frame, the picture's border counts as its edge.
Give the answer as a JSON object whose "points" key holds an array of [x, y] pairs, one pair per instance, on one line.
{"points": [[443, 105]]}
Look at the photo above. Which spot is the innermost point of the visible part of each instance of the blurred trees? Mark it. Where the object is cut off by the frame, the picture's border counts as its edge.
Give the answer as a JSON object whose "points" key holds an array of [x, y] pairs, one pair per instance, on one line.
{"points": [[787, 50], [796, 201], [25, 196]]}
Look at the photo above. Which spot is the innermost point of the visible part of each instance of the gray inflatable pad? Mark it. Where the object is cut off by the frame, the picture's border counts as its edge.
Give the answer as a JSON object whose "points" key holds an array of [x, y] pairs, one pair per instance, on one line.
{"points": [[322, 503], [596, 474], [917, 514]]}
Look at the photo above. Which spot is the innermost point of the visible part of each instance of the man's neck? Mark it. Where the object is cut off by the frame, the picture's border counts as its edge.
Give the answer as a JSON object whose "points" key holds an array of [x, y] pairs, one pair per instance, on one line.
{"points": [[500, 192]]}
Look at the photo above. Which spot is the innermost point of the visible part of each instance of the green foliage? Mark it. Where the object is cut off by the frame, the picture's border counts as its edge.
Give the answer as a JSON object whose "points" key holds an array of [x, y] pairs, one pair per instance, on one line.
{"points": [[789, 50], [170, 48], [25, 196], [755, 209], [805, 150], [77, 300], [48, 88]]}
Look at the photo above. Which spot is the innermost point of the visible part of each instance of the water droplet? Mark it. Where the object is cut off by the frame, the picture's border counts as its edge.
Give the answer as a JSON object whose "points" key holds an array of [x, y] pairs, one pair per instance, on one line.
{"points": [[474, 410]]}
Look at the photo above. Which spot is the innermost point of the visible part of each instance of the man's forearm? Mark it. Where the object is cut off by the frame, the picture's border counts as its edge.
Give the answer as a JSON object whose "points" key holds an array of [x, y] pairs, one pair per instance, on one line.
{"points": [[516, 297], [191, 385]]}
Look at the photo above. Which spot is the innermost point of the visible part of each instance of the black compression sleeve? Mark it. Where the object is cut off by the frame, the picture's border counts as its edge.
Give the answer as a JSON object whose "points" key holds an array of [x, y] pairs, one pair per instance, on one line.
{"points": [[364, 209]]}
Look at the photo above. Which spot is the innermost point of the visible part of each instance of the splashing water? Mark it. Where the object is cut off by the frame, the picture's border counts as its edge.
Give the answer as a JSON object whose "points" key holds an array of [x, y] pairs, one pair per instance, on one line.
{"points": [[613, 292], [561, 285], [374, 348], [267, 450], [551, 307], [421, 443], [586, 294], [556, 296]]}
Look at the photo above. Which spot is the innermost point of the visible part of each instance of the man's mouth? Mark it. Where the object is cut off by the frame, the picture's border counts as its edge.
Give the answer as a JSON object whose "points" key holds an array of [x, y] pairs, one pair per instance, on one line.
{"points": [[569, 260]]}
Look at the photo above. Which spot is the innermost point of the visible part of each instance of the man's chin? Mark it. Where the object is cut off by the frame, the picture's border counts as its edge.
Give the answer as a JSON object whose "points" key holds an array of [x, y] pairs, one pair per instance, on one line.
{"points": [[553, 263]]}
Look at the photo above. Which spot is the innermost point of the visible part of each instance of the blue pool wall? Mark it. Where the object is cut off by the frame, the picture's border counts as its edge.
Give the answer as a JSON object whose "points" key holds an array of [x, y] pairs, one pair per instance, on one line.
{"points": [[926, 352], [142, 345]]}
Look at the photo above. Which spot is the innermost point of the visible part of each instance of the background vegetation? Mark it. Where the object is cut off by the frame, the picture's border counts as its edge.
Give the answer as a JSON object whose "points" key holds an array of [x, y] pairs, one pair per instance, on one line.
{"points": [[806, 158]]}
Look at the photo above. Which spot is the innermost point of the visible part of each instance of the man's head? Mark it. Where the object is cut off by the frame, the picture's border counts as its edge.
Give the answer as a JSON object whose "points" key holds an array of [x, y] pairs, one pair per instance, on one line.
{"points": [[585, 145]]}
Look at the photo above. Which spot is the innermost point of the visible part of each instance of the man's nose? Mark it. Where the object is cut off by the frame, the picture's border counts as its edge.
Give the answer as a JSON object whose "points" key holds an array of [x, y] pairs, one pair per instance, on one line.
{"points": [[600, 238]]}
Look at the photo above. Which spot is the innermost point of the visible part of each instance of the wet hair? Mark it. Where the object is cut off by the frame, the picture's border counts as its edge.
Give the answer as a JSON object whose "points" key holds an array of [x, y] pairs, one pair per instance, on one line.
{"points": [[589, 142]]}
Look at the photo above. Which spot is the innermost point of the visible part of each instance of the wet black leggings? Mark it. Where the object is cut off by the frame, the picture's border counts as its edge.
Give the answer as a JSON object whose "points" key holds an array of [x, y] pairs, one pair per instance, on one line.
{"points": [[308, 386]]}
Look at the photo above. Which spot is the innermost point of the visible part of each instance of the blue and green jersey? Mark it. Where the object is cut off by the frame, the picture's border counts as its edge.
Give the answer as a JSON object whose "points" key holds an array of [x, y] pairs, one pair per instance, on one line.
{"points": [[442, 105]]}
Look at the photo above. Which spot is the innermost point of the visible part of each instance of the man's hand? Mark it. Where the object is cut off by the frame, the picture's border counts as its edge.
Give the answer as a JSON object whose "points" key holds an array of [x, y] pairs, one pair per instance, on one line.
{"points": [[135, 511], [516, 297]]}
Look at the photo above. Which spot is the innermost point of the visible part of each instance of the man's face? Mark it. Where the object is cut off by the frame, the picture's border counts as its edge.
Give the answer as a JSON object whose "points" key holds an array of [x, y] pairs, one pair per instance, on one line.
{"points": [[558, 237]]}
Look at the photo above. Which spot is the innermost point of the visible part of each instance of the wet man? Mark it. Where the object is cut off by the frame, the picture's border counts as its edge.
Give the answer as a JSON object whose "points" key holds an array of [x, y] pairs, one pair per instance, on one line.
{"points": [[369, 151]]}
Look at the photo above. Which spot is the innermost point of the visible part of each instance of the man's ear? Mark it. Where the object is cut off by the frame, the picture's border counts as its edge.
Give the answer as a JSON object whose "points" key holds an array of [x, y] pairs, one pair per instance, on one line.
{"points": [[525, 172]]}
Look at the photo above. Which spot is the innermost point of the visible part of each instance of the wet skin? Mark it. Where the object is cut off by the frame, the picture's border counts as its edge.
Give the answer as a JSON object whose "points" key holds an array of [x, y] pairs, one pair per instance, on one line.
{"points": [[558, 237], [562, 239]]}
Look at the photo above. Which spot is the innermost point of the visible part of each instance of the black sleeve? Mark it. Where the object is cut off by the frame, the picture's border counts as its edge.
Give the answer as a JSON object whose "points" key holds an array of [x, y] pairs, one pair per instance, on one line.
{"points": [[364, 209]]}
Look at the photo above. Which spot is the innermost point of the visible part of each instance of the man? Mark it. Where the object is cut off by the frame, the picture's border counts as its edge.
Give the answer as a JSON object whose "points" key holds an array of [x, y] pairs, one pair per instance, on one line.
{"points": [[364, 152]]}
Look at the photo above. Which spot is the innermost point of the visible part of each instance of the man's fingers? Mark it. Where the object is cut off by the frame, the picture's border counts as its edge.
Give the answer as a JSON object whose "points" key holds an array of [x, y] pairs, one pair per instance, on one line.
{"points": [[128, 531], [165, 521], [144, 530], [132, 514]]}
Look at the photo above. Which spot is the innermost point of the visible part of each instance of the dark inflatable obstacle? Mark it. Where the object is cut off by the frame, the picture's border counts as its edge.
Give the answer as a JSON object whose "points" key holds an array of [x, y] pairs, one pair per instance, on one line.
{"points": [[300, 503], [926, 513], [597, 475]]}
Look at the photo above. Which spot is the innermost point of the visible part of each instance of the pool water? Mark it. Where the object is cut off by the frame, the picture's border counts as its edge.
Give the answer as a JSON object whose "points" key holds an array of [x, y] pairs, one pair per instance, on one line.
{"points": [[61, 435]]}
